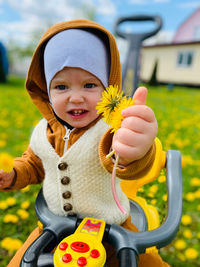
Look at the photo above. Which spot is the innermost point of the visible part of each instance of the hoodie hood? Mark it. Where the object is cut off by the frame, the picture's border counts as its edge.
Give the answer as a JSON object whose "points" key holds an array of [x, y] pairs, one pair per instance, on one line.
{"points": [[35, 81]]}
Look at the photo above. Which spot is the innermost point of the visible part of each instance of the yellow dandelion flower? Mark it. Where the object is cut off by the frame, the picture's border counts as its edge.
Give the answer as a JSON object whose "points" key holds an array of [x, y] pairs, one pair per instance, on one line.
{"points": [[187, 233], [23, 214], [10, 218], [111, 97], [190, 197], [180, 244], [153, 189], [150, 195], [2, 143], [191, 253], [141, 190], [6, 162], [198, 235], [25, 205], [186, 219], [11, 244], [117, 117], [3, 205], [164, 198], [197, 193], [25, 189], [195, 181], [11, 201], [162, 179], [153, 201]]}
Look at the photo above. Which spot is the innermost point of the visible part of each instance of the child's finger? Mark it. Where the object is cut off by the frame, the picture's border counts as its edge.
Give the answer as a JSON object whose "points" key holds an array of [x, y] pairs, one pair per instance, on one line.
{"points": [[140, 96]]}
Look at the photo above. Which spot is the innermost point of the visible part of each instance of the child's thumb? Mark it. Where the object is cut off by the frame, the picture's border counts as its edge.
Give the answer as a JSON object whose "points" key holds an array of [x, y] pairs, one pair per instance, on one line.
{"points": [[140, 96]]}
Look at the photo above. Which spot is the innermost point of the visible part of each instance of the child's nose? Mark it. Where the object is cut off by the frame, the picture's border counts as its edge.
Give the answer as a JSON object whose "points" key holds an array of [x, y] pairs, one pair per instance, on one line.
{"points": [[76, 97]]}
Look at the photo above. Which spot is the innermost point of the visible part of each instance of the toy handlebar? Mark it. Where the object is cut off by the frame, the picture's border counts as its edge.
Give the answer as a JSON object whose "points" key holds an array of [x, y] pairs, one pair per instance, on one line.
{"points": [[142, 36], [127, 244], [131, 65], [120, 238]]}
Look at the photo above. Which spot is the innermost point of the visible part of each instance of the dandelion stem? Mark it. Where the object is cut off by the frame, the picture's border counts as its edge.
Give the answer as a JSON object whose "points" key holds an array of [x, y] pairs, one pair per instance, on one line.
{"points": [[110, 154], [113, 186]]}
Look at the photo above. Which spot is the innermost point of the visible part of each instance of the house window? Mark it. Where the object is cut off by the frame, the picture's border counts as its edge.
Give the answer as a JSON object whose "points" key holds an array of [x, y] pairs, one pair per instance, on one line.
{"points": [[185, 59], [196, 33]]}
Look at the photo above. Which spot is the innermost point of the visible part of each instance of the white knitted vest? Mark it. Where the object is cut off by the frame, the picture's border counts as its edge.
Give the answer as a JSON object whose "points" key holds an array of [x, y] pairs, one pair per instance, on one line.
{"points": [[90, 183]]}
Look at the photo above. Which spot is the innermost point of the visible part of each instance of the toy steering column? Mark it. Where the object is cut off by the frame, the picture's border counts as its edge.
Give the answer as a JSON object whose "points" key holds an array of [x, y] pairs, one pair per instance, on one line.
{"points": [[84, 247]]}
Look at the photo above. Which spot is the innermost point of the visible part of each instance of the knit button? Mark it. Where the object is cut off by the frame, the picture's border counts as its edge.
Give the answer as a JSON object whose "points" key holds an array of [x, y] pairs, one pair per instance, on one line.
{"points": [[66, 194], [65, 180], [62, 166], [71, 213], [67, 207]]}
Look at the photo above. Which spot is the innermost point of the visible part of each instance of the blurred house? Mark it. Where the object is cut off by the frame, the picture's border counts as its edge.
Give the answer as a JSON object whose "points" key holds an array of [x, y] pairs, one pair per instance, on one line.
{"points": [[189, 30], [177, 62]]}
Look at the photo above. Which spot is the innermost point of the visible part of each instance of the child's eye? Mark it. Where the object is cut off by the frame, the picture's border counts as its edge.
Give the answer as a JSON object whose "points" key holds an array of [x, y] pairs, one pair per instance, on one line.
{"points": [[89, 85], [61, 87]]}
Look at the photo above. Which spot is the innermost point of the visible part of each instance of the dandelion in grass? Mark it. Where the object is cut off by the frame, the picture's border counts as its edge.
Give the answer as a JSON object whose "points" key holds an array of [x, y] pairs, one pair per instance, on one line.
{"points": [[6, 162], [111, 97], [186, 219], [180, 244], [10, 218], [11, 244], [191, 253], [11, 201], [23, 214]]}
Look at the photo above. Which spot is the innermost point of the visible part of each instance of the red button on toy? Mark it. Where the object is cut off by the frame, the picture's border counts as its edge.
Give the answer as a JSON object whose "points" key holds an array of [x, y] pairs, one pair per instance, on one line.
{"points": [[80, 247], [67, 257], [63, 246], [82, 261], [94, 253]]}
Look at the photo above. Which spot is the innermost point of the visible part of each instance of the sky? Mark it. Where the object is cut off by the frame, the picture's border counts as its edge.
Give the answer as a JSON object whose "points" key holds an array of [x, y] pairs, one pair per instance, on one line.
{"points": [[20, 18]]}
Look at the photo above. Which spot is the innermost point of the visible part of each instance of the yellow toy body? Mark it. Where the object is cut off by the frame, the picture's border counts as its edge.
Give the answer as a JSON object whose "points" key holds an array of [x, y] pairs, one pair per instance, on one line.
{"points": [[130, 188], [84, 247]]}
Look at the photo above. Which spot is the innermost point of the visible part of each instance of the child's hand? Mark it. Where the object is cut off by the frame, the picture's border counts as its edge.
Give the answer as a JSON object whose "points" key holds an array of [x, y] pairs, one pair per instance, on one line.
{"points": [[6, 179], [138, 130]]}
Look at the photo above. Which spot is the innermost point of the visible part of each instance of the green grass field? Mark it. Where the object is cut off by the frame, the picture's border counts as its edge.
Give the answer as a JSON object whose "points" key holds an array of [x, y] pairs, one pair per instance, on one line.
{"points": [[178, 116]]}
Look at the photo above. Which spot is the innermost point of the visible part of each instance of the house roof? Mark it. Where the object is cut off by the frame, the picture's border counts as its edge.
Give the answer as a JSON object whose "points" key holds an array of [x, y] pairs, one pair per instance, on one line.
{"points": [[173, 44], [186, 30]]}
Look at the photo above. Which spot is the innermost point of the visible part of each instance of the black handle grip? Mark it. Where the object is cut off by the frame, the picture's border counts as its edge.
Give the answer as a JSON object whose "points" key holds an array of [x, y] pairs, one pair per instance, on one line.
{"points": [[127, 257], [143, 36], [30, 258]]}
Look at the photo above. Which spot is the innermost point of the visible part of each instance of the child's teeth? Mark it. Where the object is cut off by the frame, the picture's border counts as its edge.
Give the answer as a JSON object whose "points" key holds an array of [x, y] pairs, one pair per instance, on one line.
{"points": [[77, 111]]}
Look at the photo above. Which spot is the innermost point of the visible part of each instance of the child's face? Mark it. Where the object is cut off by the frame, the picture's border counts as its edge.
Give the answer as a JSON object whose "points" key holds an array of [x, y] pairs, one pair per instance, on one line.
{"points": [[74, 95]]}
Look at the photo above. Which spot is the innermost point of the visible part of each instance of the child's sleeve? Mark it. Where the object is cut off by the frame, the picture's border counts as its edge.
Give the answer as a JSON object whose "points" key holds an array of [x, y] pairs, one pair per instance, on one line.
{"points": [[28, 170], [134, 170]]}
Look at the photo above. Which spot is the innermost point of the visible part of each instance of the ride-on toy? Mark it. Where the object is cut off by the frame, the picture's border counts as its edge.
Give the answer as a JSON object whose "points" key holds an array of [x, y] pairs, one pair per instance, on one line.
{"points": [[84, 248]]}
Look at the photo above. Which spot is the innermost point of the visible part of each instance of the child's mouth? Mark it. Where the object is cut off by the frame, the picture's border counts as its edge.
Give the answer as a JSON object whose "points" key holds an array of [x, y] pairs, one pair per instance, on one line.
{"points": [[78, 112]]}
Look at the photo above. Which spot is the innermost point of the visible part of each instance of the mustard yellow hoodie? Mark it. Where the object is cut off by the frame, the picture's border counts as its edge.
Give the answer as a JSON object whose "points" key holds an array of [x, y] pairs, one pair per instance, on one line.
{"points": [[28, 168]]}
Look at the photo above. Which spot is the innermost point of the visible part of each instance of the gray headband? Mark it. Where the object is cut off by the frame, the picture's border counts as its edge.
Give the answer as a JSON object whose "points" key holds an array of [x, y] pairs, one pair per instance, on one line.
{"points": [[77, 48]]}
